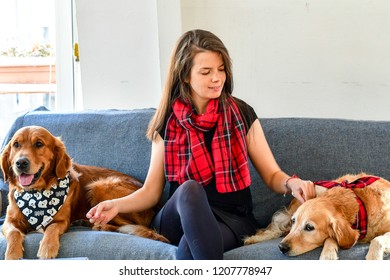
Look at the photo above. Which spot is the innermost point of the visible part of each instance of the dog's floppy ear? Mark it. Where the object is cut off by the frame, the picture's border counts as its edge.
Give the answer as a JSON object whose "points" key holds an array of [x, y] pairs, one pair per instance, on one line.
{"points": [[62, 159], [5, 164], [343, 233]]}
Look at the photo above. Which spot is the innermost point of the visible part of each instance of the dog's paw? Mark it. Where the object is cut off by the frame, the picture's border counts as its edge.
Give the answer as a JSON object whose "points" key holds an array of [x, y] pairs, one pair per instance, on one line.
{"points": [[373, 256], [263, 235], [159, 237], [330, 250], [48, 250], [375, 252], [14, 249], [13, 255], [253, 239], [329, 255], [47, 253]]}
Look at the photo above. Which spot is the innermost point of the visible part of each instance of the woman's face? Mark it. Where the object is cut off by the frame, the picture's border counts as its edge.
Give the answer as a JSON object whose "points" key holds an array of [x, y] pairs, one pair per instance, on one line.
{"points": [[207, 78]]}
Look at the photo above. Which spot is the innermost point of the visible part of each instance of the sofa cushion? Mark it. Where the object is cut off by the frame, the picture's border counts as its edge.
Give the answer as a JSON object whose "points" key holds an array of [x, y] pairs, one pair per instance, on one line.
{"points": [[269, 250], [82, 242], [1, 202]]}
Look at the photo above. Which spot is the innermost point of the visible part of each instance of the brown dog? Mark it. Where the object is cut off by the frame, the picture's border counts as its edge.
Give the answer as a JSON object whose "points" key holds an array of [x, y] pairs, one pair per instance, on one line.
{"points": [[47, 192], [329, 220]]}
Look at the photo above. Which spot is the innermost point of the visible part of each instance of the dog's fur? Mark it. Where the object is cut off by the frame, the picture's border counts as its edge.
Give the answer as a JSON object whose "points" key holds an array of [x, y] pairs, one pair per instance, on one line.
{"points": [[327, 221], [45, 156]]}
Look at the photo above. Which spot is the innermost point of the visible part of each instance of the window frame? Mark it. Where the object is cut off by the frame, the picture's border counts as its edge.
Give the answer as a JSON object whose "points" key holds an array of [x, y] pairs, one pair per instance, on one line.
{"points": [[65, 98]]}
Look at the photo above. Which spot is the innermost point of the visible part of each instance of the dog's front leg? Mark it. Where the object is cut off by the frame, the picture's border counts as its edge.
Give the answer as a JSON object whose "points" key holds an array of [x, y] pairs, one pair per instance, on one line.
{"points": [[15, 240], [279, 226], [50, 243], [330, 249], [378, 247], [271, 232]]}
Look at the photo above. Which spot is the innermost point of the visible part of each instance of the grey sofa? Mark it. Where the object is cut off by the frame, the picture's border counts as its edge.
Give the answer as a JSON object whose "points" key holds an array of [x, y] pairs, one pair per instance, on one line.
{"points": [[314, 149]]}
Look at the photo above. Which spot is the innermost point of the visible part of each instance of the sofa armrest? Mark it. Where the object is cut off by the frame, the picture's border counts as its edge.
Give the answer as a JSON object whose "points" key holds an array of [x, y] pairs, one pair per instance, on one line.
{"points": [[1, 203], [3, 190], [3, 200], [2, 207]]}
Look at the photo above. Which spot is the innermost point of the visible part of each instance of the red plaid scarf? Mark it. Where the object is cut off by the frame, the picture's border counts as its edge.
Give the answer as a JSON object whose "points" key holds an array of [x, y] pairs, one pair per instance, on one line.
{"points": [[361, 218], [186, 155]]}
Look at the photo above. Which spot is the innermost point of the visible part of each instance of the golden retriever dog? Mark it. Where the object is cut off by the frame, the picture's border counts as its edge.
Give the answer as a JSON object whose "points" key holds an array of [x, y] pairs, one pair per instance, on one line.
{"points": [[338, 217], [47, 192]]}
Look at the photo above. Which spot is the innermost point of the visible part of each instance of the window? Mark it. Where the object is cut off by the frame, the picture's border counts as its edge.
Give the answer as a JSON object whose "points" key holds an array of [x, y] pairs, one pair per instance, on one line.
{"points": [[29, 57]]}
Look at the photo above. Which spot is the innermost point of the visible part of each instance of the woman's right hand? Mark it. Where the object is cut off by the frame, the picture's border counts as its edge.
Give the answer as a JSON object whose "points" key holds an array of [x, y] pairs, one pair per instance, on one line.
{"points": [[102, 213]]}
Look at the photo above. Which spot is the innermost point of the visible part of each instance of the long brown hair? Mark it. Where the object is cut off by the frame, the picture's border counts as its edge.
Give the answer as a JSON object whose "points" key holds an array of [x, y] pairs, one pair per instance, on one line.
{"points": [[187, 47]]}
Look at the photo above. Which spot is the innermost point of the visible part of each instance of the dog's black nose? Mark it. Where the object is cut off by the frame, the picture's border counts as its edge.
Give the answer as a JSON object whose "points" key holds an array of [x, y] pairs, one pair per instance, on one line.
{"points": [[22, 164], [284, 248]]}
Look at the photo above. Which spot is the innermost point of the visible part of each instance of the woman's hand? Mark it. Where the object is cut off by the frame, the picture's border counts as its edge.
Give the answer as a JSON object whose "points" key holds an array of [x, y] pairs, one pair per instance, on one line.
{"points": [[301, 189], [102, 213]]}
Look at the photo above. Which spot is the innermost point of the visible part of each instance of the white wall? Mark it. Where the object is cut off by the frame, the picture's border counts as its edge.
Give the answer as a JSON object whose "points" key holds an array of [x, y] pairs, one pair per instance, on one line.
{"points": [[119, 53], [313, 58], [169, 29], [318, 58]]}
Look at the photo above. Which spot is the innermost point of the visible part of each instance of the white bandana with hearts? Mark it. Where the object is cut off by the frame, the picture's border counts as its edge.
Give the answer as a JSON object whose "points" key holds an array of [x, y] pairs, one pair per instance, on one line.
{"points": [[40, 207]]}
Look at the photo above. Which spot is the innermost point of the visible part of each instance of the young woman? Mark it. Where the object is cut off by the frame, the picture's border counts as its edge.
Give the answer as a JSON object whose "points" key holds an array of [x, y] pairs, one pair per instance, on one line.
{"points": [[202, 138]]}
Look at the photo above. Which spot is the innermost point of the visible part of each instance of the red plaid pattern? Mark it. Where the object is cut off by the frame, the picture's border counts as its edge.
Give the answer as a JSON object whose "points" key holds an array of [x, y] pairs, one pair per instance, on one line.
{"points": [[361, 218], [359, 183], [186, 155]]}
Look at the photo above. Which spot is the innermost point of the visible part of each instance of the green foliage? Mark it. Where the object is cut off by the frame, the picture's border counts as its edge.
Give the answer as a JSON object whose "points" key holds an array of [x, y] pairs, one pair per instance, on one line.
{"points": [[37, 50]]}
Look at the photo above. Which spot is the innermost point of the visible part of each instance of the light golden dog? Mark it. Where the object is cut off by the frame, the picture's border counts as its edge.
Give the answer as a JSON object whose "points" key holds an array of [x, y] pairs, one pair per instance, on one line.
{"points": [[47, 192], [328, 220]]}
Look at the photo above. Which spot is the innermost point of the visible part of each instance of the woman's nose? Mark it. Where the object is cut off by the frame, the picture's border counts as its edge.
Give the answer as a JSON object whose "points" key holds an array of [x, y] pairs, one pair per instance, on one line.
{"points": [[216, 76]]}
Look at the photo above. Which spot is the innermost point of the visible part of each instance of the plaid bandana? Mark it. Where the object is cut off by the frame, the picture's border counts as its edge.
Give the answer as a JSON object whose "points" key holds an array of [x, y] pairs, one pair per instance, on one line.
{"points": [[186, 155], [361, 217]]}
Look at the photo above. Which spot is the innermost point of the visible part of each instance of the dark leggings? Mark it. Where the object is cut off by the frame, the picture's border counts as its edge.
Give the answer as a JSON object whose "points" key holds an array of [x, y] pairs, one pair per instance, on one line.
{"points": [[188, 222]]}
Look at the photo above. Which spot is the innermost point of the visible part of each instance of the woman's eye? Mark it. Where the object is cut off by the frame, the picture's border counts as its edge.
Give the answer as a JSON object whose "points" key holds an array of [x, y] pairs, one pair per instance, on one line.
{"points": [[309, 227]]}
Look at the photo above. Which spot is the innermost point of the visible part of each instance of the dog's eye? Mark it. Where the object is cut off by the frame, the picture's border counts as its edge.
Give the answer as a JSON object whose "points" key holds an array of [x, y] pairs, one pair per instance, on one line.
{"points": [[39, 144], [292, 220], [16, 145], [309, 227]]}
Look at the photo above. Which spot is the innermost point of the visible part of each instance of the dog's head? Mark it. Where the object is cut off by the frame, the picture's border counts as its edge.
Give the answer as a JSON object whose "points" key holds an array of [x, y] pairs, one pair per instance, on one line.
{"points": [[34, 156], [315, 221]]}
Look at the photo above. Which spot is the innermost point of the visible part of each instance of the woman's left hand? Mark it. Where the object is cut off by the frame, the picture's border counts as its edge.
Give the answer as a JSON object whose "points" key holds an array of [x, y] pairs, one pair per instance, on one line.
{"points": [[301, 189]]}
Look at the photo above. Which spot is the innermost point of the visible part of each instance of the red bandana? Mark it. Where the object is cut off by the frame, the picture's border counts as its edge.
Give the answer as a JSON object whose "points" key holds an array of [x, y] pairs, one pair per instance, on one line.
{"points": [[186, 155], [361, 218]]}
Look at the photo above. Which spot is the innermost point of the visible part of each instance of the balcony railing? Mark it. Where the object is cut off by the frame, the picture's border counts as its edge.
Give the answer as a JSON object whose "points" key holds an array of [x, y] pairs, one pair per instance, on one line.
{"points": [[27, 75]]}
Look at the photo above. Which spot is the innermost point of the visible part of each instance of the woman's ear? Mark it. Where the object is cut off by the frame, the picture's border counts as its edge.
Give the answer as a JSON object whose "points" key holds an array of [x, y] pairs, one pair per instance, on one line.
{"points": [[5, 163], [62, 159]]}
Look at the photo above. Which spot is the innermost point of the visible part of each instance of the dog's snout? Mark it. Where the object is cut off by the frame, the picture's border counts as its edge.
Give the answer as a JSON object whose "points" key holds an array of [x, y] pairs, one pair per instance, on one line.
{"points": [[22, 164], [284, 248]]}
